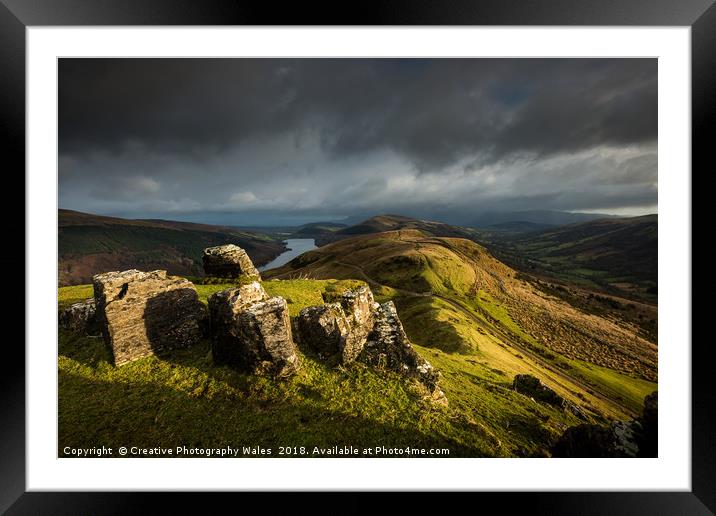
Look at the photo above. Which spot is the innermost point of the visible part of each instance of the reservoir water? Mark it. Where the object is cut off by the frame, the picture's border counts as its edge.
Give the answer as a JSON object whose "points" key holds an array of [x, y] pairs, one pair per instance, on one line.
{"points": [[296, 246]]}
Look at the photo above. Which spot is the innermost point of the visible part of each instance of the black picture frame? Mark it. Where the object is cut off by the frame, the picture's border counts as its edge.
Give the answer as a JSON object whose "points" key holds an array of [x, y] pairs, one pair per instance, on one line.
{"points": [[17, 15]]}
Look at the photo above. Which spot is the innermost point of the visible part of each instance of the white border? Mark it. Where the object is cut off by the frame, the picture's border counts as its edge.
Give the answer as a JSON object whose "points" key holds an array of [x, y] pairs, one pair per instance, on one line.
{"points": [[670, 471]]}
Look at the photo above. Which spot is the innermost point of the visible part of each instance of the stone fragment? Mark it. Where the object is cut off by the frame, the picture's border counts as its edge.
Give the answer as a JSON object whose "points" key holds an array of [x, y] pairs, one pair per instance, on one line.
{"points": [[324, 328], [80, 317], [360, 309], [530, 386], [224, 306], [146, 313], [388, 347], [264, 343], [228, 261]]}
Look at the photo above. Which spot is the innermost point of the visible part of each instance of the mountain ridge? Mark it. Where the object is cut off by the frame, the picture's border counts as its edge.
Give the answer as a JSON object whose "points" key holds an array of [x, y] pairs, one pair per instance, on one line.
{"points": [[89, 244]]}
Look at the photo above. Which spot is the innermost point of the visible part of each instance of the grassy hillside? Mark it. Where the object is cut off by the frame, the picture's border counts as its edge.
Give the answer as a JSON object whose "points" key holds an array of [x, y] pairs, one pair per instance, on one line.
{"points": [[618, 255], [89, 244], [382, 223], [453, 295], [185, 400], [474, 318]]}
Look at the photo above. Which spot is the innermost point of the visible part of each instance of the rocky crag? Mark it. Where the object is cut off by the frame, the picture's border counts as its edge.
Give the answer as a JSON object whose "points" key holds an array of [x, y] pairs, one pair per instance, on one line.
{"points": [[633, 438], [532, 387], [146, 313], [228, 261]]}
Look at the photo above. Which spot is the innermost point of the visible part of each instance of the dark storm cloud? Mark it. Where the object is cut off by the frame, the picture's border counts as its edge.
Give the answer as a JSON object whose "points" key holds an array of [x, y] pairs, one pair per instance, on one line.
{"points": [[432, 111], [323, 134]]}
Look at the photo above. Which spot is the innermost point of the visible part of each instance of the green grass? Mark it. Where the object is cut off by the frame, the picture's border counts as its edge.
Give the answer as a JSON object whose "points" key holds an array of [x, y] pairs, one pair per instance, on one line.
{"points": [[183, 399], [627, 389]]}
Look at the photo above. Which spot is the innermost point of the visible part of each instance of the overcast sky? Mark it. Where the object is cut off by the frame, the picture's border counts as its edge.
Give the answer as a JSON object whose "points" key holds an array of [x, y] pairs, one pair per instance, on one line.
{"points": [[281, 141]]}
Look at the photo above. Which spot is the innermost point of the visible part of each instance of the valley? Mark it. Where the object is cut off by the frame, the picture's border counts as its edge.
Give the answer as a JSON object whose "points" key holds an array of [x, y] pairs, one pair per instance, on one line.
{"points": [[478, 320], [89, 244]]}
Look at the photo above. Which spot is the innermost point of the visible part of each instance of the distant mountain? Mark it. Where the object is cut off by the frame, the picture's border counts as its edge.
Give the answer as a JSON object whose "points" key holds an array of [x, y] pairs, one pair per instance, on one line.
{"points": [[89, 244], [615, 253], [517, 227], [381, 223], [319, 228], [543, 217]]}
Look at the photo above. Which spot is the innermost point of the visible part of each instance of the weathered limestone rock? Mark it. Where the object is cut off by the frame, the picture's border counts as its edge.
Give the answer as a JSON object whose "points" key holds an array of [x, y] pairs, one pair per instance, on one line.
{"points": [[80, 317], [626, 437], [324, 328], [228, 261], [359, 306], [264, 341], [649, 441], [388, 347], [145, 313], [360, 309], [339, 328], [530, 386], [586, 441], [224, 308], [634, 438]]}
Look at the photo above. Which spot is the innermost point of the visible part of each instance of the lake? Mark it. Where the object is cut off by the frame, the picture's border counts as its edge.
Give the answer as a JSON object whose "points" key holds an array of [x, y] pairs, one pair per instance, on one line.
{"points": [[296, 246]]}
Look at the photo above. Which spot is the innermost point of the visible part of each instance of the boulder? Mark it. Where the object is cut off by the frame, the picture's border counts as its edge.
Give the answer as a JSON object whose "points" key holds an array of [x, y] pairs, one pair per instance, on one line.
{"points": [[263, 341], [146, 313], [589, 441], [530, 386], [359, 306], [225, 305], [388, 347], [633, 438], [324, 328], [224, 308], [360, 309], [339, 329], [228, 261], [649, 439], [80, 317], [626, 437]]}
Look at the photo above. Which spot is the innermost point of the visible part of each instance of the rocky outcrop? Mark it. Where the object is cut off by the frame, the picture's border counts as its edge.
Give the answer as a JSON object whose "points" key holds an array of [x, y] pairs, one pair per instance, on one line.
{"points": [[228, 261], [360, 309], [80, 317], [146, 313], [586, 441], [634, 438], [224, 306], [530, 386], [388, 347], [252, 332], [339, 329], [358, 328], [324, 328], [649, 445], [265, 343]]}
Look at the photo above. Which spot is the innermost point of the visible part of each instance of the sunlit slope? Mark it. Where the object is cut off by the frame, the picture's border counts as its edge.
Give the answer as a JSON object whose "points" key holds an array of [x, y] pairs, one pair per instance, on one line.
{"points": [[453, 295], [185, 399]]}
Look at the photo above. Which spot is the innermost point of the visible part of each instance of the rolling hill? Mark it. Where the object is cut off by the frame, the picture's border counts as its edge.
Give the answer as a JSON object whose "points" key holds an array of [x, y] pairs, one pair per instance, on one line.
{"points": [[89, 244], [479, 321], [541, 217], [619, 255], [381, 223], [186, 398], [453, 295]]}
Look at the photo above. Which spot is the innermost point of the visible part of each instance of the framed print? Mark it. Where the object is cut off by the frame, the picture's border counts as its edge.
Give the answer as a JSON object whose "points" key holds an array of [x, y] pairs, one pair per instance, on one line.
{"points": [[416, 250]]}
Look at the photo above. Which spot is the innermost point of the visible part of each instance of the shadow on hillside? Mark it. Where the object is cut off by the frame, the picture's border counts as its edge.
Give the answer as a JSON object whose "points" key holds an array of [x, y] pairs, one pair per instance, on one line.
{"points": [[146, 414]]}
